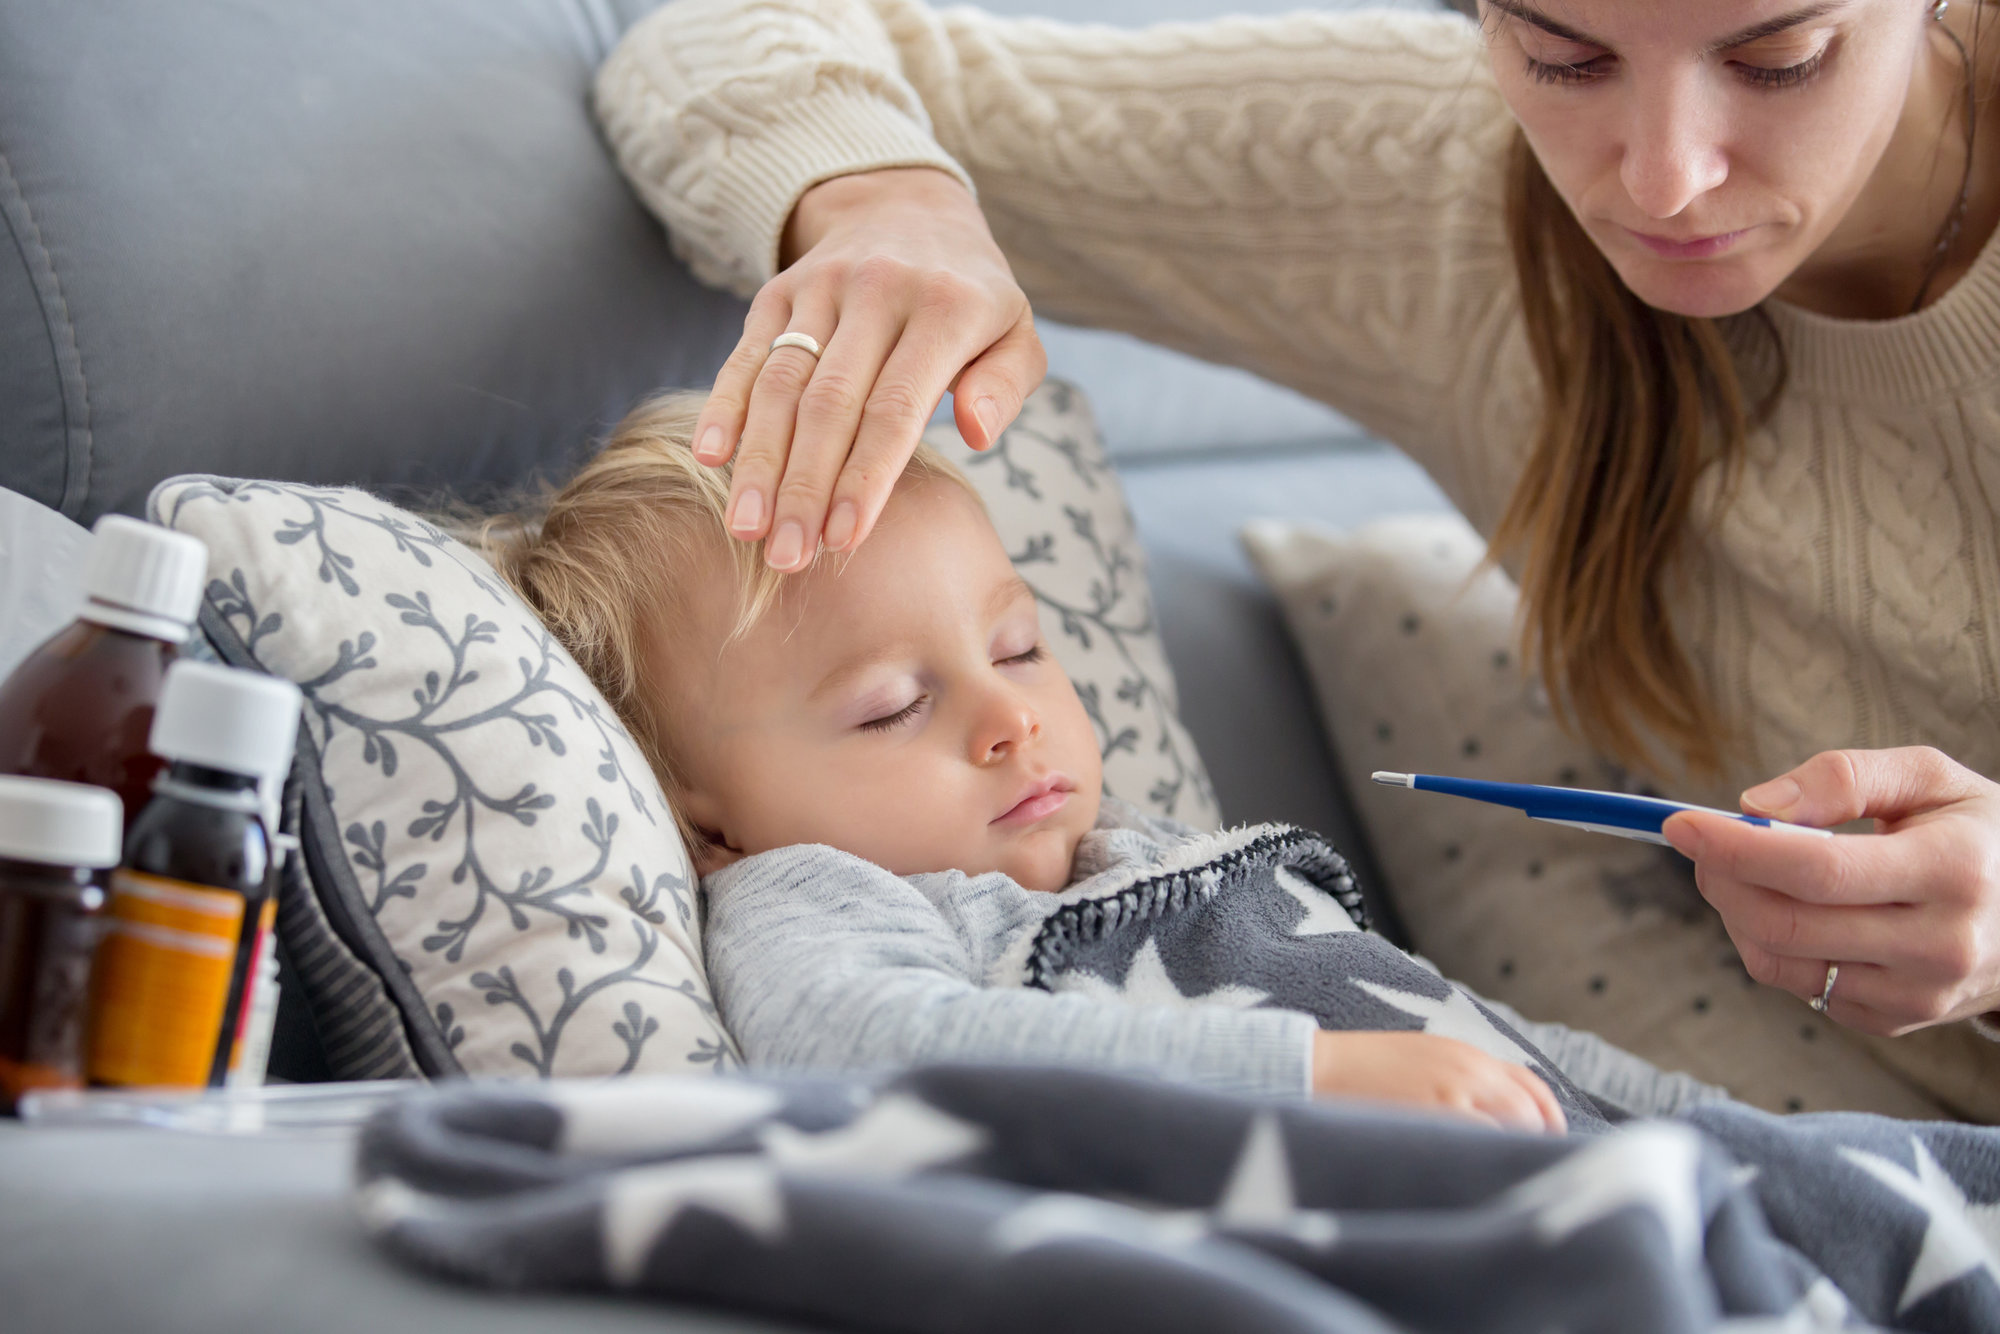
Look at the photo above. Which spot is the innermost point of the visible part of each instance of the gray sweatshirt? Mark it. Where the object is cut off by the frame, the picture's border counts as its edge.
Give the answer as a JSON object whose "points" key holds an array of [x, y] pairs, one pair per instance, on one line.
{"points": [[822, 961]]}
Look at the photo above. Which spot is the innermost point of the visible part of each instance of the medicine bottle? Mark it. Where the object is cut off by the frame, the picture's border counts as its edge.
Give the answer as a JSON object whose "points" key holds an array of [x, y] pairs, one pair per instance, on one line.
{"points": [[78, 708], [55, 840], [191, 906]]}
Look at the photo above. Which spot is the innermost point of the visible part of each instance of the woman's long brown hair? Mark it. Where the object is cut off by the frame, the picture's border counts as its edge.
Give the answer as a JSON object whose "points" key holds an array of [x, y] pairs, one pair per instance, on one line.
{"points": [[1637, 405]]}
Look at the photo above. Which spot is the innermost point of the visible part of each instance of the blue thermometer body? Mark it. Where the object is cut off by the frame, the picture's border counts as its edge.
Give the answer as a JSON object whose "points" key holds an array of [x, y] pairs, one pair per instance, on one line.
{"points": [[1612, 813]]}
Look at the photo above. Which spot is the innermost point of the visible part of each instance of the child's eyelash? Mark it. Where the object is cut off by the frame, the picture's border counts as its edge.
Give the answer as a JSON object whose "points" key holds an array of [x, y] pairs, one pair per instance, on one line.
{"points": [[1787, 76], [916, 706], [898, 718]]}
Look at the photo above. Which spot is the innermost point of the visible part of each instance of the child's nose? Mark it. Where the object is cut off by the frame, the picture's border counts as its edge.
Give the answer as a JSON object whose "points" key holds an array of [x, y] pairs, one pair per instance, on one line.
{"points": [[1009, 722]]}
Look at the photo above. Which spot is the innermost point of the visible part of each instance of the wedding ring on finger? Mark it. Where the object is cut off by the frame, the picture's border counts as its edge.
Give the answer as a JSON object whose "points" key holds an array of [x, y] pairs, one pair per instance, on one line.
{"points": [[1820, 1001], [804, 342]]}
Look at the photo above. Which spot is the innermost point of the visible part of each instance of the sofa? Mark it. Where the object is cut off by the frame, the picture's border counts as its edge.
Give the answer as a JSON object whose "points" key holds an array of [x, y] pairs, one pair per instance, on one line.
{"points": [[380, 242]]}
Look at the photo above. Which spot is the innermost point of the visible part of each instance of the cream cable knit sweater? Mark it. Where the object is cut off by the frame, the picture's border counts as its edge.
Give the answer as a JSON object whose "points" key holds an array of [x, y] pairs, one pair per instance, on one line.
{"points": [[1318, 198]]}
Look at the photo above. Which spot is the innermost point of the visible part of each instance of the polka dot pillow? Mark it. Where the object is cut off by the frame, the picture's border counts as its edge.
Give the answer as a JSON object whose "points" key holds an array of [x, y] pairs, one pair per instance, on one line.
{"points": [[1411, 651]]}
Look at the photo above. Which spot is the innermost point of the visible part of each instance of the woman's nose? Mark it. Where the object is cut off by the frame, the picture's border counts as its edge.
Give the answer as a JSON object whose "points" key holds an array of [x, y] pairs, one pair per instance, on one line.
{"points": [[1006, 723], [1673, 151]]}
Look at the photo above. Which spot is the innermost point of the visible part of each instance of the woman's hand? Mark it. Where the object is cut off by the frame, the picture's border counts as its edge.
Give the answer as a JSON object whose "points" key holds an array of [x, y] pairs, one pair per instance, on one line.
{"points": [[899, 280], [1911, 914], [1440, 1074]]}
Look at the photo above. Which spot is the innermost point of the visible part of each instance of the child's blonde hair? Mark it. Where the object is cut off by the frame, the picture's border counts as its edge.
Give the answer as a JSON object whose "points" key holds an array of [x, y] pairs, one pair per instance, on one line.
{"points": [[605, 560]]}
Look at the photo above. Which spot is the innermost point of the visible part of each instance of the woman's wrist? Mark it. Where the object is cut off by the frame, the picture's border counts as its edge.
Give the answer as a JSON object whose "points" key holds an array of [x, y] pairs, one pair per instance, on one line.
{"points": [[833, 201]]}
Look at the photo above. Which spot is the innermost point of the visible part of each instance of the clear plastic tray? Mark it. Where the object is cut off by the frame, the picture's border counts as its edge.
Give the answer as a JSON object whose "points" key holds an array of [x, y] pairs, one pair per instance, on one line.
{"points": [[287, 1109]]}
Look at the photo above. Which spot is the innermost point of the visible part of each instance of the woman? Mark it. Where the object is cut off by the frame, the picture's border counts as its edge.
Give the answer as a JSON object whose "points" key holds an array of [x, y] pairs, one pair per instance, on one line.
{"points": [[1691, 308]]}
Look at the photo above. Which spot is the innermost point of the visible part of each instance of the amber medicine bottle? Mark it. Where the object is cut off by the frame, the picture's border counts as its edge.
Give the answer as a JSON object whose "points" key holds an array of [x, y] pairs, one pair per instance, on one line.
{"points": [[191, 908], [55, 841], [80, 706]]}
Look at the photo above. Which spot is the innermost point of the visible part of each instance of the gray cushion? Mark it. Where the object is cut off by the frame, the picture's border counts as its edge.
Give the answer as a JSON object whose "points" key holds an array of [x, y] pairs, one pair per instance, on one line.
{"points": [[367, 241]]}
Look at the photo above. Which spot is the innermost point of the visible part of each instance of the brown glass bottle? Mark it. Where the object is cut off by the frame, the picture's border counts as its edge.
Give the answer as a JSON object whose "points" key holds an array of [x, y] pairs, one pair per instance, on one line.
{"points": [[80, 707], [55, 838]]}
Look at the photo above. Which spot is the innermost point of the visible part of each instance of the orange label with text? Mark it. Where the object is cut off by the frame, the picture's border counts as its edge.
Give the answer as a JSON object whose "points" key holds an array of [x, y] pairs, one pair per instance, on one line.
{"points": [[162, 981]]}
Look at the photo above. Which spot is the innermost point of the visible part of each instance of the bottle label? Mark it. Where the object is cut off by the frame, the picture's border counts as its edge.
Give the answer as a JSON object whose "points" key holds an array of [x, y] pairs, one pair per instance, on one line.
{"points": [[162, 981], [250, 1053]]}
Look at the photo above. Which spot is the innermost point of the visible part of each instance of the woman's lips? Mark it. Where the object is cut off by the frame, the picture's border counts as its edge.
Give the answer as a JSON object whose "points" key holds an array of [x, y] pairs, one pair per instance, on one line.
{"points": [[1044, 797], [1699, 247]]}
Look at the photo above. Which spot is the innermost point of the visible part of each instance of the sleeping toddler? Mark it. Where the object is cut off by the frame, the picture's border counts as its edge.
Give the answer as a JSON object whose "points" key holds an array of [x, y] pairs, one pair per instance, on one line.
{"points": [[894, 798]]}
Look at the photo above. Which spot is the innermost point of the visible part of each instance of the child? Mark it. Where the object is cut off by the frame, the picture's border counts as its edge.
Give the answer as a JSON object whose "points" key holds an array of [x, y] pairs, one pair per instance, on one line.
{"points": [[892, 791]]}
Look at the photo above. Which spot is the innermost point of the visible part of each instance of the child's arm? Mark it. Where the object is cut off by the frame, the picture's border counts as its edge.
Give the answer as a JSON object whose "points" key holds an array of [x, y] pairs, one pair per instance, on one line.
{"points": [[820, 960]]}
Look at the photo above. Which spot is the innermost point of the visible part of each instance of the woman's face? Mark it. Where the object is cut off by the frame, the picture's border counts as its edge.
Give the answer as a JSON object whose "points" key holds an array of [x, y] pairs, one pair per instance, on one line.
{"points": [[1708, 147]]}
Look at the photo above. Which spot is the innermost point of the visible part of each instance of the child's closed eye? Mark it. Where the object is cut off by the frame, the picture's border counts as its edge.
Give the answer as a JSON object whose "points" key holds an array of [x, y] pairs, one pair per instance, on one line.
{"points": [[898, 718], [1032, 656]]}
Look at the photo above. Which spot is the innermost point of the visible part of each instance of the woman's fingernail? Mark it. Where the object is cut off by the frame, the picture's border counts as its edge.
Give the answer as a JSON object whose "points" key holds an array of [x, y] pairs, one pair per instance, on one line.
{"points": [[786, 547], [749, 513], [1684, 837], [840, 527], [1780, 794], [709, 449], [988, 413]]}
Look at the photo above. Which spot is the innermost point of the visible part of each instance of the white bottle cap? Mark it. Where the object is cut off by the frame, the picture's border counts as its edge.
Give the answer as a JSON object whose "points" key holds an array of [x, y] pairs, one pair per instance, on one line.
{"points": [[60, 824], [240, 722], [143, 578]]}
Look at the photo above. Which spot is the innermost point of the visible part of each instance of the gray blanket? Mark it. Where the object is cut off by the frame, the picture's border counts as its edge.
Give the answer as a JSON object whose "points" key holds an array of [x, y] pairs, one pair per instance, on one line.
{"points": [[1267, 915], [1011, 1199]]}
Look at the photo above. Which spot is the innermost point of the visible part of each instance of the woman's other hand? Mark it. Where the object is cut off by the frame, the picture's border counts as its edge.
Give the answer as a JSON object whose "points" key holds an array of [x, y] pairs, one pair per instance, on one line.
{"points": [[1911, 914], [896, 276], [1439, 1074]]}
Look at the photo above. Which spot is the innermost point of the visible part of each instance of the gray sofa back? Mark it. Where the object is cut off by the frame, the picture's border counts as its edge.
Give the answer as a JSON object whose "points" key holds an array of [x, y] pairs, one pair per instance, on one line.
{"points": [[368, 241]]}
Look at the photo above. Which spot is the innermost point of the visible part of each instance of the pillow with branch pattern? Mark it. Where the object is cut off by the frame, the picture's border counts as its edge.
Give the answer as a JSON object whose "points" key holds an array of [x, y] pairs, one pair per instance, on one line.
{"points": [[492, 881], [1062, 514]]}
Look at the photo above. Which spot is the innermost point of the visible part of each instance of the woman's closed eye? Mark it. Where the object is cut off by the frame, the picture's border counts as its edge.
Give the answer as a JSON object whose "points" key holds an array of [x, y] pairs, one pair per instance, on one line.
{"points": [[1758, 69]]}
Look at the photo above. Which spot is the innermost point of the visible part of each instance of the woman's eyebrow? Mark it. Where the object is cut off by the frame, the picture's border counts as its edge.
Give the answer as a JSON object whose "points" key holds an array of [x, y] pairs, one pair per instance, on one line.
{"points": [[1772, 27], [1755, 32], [1540, 20]]}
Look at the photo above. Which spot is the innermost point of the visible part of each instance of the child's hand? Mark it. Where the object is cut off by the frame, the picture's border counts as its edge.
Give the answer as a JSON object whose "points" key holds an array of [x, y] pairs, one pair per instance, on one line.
{"points": [[1442, 1074]]}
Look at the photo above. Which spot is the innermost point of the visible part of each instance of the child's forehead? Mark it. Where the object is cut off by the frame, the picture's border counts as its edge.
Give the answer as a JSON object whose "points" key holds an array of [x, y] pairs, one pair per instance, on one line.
{"points": [[933, 556]]}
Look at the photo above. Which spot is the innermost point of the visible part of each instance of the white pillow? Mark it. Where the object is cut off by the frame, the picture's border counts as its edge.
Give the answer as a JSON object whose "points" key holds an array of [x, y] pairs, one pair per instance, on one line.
{"points": [[1411, 651]]}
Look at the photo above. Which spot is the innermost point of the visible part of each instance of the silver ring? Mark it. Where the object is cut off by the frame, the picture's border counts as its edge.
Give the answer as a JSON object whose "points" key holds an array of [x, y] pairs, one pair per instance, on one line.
{"points": [[1819, 1002], [804, 342]]}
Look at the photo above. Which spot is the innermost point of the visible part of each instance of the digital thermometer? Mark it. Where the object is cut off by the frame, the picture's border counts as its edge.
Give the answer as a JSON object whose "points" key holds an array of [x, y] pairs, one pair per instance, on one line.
{"points": [[1612, 813]]}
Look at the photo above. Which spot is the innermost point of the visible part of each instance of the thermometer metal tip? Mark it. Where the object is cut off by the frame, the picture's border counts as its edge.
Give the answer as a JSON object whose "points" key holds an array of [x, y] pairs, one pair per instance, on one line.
{"points": [[1387, 779]]}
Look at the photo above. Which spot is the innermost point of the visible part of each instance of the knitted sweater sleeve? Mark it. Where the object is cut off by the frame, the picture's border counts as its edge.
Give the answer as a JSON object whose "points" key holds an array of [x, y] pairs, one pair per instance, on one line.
{"points": [[1316, 197], [822, 961]]}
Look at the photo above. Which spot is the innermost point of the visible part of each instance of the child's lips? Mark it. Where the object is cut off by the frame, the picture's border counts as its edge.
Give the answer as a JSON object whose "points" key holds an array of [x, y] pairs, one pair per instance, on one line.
{"points": [[1043, 798]]}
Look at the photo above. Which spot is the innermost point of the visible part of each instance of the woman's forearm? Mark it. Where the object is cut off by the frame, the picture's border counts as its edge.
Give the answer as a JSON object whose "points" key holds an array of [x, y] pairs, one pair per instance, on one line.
{"points": [[1315, 197]]}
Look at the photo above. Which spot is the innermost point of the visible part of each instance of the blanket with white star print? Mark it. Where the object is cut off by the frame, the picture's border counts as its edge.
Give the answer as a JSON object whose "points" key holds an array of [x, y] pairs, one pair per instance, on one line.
{"points": [[1266, 915], [983, 1198]]}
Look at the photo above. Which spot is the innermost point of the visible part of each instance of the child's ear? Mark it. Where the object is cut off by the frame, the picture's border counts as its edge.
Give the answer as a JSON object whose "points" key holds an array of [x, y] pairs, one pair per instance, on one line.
{"points": [[711, 849], [713, 852]]}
